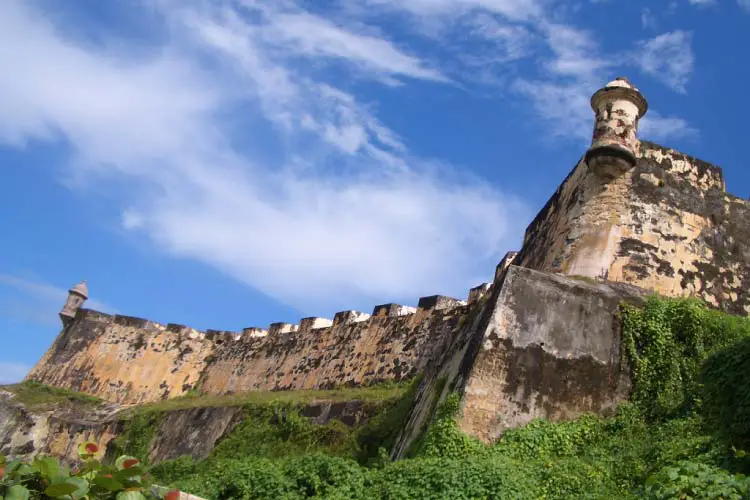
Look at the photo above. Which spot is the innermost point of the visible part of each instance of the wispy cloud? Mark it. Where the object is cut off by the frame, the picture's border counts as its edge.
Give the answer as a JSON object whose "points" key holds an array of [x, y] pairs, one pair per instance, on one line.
{"points": [[703, 3], [265, 162], [11, 373], [513, 10], [32, 301], [656, 127], [745, 4], [314, 36], [342, 213], [648, 19], [668, 58]]}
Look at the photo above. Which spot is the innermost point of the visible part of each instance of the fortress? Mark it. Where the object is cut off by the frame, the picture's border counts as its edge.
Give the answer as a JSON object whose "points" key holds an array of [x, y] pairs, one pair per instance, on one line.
{"points": [[541, 340]]}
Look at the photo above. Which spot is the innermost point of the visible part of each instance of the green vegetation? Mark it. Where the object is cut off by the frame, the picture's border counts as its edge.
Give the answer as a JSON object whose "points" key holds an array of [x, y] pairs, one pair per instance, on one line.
{"points": [[681, 436], [46, 478], [138, 432], [372, 394], [36, 396]]}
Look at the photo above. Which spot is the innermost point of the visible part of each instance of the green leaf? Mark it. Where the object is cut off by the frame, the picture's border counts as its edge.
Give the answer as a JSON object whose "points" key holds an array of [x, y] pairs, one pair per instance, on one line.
{"points": [[26, 470], [107, 483], [60, 489], [129, 473], [17, 492], [48, 467], [130, 495], [82, 486]]}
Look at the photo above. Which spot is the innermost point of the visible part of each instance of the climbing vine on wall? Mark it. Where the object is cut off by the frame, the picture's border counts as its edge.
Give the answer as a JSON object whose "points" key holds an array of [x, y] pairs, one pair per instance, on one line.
{"points": [[666, 343]]}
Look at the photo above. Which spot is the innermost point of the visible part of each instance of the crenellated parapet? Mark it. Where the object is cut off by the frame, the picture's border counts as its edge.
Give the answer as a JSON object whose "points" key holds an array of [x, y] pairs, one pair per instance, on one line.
{"points": [[314, 323], [392, 310], [348, 317], [478, 292], [253, 333], [129, 359]]}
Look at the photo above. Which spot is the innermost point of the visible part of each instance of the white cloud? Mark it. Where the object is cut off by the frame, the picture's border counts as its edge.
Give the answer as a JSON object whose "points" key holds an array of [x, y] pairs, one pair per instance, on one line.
{"points": [[36, 302], [575, 52], [314, 36], [648, 20], [563, 107], [702, 3], [745, 4], [343, 213], [131, 219], [503, 31], [246, 155], [11, 373], [509, 41], [560, 96], [514, 10], [577, 69], [656, 127], [668, 58]]}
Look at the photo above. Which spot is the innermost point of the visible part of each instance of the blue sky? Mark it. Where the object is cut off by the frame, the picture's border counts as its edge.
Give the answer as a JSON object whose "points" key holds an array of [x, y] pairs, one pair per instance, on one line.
{"points": [[231, 164]]}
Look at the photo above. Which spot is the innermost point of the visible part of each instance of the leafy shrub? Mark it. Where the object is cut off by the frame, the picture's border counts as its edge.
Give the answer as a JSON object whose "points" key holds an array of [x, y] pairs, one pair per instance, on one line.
{"points": [[726, 393], [445, 439], [137, 434], [44, 477], [666, 343], [697, 481], [467, 478]]}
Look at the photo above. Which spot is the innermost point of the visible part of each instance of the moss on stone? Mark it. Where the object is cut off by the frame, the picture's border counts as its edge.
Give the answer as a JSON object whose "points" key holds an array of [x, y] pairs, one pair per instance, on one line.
{"points": [[40, 397], [374, 393]]}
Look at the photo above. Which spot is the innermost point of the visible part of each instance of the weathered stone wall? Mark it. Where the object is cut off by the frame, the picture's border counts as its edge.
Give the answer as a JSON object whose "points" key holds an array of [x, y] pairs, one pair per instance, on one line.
{"points": [[666, 225], [381, 348], [123, 359], [540, 346], [58, 432], [551, 349], [131, 361], [197, 431], [192, 431]]}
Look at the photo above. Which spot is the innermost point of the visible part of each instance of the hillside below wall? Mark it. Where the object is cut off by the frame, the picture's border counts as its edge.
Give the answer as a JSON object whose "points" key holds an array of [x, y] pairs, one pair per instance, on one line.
{"points": [[666, 225], [131, 361], [26, 433]]}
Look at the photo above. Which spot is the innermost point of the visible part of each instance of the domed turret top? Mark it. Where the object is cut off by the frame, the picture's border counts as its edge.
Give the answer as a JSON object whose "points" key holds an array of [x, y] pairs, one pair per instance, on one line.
{"points": [[81, 289], [620, 88], [621, 81]]}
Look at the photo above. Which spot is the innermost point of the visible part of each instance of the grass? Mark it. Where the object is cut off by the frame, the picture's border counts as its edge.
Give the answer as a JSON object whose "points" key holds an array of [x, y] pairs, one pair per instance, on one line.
{"points": [[376, 393], [35, 396]]}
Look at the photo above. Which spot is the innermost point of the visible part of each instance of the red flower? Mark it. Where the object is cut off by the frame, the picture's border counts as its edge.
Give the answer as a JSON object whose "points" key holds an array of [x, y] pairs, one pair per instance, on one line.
{"points": [[2, 472], [91, 448], [172, 495], [131, 462]]}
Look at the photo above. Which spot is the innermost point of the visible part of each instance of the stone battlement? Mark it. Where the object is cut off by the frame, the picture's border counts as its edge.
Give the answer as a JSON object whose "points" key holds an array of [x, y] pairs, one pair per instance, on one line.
{"points": [[425, 304], [127, 359]]}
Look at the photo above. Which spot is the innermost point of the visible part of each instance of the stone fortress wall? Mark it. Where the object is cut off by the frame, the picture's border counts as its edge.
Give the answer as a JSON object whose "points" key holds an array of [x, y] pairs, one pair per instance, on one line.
{"points": [[667, 225], [542, 340], [131, 360]]}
